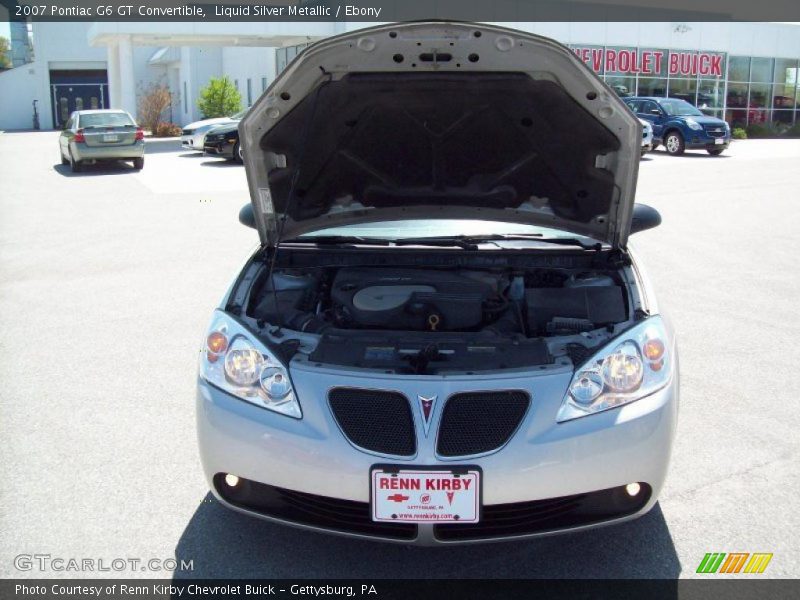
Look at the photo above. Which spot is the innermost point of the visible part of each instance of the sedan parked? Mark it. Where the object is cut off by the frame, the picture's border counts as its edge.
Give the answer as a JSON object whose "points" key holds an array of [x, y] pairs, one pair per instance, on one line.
{"points": [[193, 135], [99, 135], [223, 141]]}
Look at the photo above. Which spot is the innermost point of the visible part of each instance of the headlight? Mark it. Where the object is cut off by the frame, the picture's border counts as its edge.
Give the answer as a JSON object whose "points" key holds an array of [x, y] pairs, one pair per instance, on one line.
{"points": [[693, 124], [633, 366], [234, 361]]}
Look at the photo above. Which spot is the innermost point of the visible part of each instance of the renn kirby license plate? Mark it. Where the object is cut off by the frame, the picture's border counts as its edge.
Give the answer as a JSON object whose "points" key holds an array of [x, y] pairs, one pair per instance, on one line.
{"points": [[425, 495]]}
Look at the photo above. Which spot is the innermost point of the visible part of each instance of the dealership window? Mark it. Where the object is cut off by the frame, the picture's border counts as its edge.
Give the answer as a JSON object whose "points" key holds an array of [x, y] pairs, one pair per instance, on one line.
{"points": [[249, 92], [185, 99], [263, 84], [684, 89], [623, 86], [710, 94], [739, 68], [652, 86], [761, 70]]}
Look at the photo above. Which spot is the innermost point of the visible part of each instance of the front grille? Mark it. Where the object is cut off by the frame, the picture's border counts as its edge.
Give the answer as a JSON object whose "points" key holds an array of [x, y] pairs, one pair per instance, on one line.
{"points": [[309, 509], [539, 516], [479, 422], [715, 130], [375, 420]]}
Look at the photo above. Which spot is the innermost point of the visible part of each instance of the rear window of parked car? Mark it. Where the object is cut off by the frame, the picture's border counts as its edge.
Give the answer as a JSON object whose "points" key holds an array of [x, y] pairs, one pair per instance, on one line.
{"points": [[105, 120]]}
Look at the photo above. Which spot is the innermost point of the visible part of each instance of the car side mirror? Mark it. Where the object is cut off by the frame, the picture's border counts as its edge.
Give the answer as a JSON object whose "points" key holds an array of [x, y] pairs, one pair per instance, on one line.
{"points": [[247, 216], [644, 217]]}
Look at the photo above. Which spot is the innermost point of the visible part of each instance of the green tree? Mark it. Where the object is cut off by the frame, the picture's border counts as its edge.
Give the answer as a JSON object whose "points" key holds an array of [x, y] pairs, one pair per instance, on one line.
{"points": [[5, 54], [219, 98]]}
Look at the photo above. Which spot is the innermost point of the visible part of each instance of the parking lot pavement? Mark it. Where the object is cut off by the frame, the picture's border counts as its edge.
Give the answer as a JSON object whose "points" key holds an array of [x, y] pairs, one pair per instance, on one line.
{"points": [[107, 281]]}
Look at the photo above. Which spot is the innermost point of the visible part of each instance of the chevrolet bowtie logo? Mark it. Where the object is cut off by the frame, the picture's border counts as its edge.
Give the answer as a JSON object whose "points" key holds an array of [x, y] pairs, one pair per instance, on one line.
{"points": [[397, 498]]}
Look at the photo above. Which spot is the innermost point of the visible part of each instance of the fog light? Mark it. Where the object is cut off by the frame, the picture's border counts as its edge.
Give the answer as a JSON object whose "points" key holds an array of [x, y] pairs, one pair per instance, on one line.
{"points": [[632, 488], [233, 481]]}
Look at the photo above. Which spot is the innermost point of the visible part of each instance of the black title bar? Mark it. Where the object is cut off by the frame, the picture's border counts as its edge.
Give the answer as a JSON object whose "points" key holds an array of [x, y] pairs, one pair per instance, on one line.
{"points": [[375, 11]]}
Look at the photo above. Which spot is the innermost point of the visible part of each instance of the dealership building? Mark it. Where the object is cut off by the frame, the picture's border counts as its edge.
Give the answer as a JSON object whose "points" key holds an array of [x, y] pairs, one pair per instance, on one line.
{"points": [[744, 72]]}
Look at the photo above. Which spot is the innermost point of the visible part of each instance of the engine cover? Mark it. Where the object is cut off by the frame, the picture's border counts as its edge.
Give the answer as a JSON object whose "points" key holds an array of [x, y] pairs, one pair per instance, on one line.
{"points": [[409, 299]]}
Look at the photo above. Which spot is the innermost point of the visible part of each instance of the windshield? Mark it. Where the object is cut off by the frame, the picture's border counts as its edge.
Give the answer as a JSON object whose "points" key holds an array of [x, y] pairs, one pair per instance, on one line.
{"points": [[423, 228], [106, 119], [680, 108]]}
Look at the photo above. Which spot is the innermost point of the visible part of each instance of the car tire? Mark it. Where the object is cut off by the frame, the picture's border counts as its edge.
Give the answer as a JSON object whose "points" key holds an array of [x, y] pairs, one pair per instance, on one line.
{"points": [[715, 151], [674, 143], [237, 153], [653, 149], [75, 165], [138, 163]]}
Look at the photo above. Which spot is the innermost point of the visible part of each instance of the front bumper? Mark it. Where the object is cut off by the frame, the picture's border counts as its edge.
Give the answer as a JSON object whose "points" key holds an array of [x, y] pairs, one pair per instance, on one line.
{"points": [[222, 148], [544, 461], [701, 140], [80, 151], [193, 142]]}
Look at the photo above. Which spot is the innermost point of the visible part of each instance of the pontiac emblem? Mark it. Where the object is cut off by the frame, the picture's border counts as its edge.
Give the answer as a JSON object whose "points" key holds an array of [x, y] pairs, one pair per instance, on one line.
{"points": [[426, 405]]}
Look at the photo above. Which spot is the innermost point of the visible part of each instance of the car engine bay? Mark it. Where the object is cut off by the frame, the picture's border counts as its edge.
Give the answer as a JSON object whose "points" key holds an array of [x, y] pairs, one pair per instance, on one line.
{"points": [[435, 319]]}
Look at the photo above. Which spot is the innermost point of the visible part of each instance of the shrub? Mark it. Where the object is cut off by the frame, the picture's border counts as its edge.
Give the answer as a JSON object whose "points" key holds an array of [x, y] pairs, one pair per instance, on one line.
{"points": [[761, 130], [219, 98], [793, 131], [167, 130], [153, 102], [739, 133]]}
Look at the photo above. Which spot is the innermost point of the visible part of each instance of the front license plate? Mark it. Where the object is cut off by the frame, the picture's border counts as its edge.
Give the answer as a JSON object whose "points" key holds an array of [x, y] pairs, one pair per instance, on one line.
{"points": [[423, 495], [719, 141], [110, 138]]}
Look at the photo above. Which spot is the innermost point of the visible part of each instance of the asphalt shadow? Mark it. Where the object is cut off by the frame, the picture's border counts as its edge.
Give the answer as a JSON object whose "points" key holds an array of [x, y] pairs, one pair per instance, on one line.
{"points": [[112, 167], [696, 154], [221, 543], [220, 162]]}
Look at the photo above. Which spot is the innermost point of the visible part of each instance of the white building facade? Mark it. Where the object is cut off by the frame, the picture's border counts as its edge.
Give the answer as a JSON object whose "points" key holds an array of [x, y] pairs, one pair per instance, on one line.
{"points": [[744, 72]]}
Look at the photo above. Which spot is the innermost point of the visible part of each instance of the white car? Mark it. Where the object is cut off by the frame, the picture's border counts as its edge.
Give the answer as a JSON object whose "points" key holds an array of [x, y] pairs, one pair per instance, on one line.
{"points": [[647, 136], [193, 135]]}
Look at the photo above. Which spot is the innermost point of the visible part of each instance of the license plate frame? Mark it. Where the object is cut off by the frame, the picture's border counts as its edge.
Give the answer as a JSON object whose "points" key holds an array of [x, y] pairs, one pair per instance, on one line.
{"points": [[719, 141], [110, 137], [407, 506]]}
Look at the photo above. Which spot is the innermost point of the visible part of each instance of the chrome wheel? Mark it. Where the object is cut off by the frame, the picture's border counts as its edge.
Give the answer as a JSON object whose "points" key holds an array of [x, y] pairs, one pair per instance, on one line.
{"points": [[674, 143]]}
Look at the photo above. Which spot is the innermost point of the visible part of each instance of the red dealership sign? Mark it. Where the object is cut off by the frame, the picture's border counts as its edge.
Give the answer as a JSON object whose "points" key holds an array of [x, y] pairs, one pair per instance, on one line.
{"points": [[652, 62]]}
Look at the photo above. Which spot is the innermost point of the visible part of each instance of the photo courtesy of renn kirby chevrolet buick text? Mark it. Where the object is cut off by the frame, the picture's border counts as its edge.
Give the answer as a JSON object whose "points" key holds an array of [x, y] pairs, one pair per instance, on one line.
{"points": [[444, 335]]}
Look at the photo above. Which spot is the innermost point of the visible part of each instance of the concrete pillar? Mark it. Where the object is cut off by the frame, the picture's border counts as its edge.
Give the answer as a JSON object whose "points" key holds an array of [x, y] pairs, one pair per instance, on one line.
{"points": [[127, 97], [113, 75]]}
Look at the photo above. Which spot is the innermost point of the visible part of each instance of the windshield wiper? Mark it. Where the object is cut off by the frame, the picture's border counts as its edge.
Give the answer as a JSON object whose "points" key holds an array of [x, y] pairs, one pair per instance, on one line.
{"points": [[471, 241], [334, 240]]}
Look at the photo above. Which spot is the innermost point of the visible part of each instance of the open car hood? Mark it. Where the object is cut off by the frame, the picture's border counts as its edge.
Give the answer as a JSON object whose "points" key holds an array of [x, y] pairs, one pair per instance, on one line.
{"points": [[440, 120]]}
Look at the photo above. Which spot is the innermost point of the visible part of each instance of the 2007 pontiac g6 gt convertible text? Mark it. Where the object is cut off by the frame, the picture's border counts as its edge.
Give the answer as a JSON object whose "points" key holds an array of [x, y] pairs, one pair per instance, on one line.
{"points": [[444, 336]]}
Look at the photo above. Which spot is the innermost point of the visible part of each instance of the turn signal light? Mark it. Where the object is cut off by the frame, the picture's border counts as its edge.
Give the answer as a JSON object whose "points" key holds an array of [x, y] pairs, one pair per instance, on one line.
{"points": [[217, 343], [653, 349]]}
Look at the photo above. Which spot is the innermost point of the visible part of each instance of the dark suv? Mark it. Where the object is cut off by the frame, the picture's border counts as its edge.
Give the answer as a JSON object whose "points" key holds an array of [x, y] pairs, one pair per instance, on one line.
{"points": [[680, 126]]}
